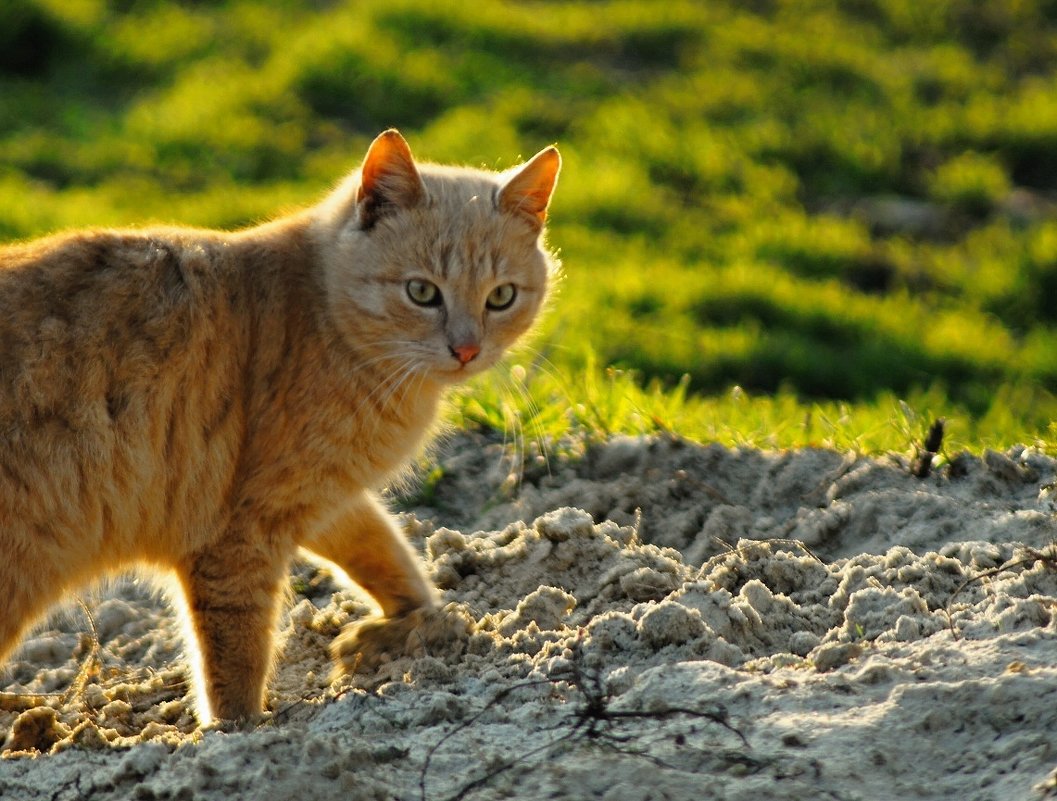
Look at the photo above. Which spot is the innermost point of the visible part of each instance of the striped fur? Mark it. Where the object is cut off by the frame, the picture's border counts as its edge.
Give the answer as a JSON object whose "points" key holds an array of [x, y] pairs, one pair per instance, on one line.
{"points": [[205, 403]]}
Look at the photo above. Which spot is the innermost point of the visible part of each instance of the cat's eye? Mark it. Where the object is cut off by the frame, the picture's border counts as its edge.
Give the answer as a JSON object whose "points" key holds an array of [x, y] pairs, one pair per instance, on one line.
{"points": [[501, 297], [423, 293]]}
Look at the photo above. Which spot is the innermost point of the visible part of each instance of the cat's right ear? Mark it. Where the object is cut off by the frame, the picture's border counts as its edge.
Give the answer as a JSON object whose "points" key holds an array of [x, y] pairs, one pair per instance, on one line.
{"points": [[388, 179], [529, 191]]}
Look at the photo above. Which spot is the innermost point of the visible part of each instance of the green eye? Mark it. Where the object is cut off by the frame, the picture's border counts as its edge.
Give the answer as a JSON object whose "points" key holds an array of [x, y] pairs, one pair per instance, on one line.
{"points": [[423, 293], [501, 297]]}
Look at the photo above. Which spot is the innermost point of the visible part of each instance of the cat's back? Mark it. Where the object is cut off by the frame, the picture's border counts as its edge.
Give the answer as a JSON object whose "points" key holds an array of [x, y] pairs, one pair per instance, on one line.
{"points": [[94, 278], [119, 359], [98, 327], [127, 298]]}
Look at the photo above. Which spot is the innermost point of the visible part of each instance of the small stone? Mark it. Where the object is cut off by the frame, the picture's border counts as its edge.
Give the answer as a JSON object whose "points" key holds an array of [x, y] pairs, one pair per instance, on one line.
{"points": [[803, 643], [833, 655], [670, 623], [562, 524], [647, 584]]}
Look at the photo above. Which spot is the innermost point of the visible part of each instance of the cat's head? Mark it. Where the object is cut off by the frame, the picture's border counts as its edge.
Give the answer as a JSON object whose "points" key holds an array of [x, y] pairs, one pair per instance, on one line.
{"points": [[437, 270]]}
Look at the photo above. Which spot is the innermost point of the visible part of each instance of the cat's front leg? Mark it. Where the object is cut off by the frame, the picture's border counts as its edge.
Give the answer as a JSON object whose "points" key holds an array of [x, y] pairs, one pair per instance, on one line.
{"points": [[368, 544], [232, 592]]}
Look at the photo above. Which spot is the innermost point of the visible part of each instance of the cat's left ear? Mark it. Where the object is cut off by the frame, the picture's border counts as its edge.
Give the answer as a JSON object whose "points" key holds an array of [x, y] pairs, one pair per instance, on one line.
{"points": [[529, 191], [388, 178]]}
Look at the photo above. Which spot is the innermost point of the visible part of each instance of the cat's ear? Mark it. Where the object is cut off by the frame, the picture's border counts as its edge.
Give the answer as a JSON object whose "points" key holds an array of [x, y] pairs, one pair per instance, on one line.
{"points": [[388, 178], [528, 191]]}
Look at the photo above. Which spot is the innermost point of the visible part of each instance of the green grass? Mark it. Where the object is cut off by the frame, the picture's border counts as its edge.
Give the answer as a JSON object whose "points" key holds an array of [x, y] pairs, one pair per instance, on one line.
{"points": [[843, 209], [534, 406]]}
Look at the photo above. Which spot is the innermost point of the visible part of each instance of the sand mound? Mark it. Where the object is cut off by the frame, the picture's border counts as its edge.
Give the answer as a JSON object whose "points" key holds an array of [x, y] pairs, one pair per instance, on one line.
{"points": [[647, 619]]}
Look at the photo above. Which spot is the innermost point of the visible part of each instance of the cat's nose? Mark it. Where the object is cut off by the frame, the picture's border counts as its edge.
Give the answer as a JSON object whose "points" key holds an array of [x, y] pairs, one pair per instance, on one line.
{"points": [[465, 353]]}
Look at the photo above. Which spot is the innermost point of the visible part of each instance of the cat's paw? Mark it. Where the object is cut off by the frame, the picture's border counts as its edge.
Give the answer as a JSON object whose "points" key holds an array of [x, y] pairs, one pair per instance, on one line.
{"points": [[368, 644]]}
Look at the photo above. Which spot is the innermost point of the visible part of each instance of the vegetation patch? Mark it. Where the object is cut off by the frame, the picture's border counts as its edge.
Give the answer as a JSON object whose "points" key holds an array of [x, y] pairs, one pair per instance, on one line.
{"points": [[840, 203]]}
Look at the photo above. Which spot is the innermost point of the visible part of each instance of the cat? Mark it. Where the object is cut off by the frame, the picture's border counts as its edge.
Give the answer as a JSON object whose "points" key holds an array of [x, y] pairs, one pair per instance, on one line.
{"points": [[205, 403]]}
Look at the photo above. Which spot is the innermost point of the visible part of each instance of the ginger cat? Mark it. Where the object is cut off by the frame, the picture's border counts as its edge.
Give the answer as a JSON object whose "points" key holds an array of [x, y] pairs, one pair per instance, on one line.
{"points": [[206, 403]]}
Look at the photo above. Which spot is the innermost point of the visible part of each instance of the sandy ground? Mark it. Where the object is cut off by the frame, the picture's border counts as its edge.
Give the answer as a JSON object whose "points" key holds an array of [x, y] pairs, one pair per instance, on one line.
{"points": [[648, 619]]}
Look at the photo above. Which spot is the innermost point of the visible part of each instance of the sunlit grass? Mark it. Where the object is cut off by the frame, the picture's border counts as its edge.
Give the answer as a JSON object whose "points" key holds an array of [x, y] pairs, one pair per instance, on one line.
{"points": [[842, 208], [531, 402]]}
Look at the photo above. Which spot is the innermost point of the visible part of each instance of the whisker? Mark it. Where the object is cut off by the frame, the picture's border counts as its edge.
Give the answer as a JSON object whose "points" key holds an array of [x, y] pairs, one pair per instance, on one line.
{"points": [[408, 368], [512, 417], [411, 368], [541, 363], [380, 394], [375, 360], [393, 350], [535, 414]]}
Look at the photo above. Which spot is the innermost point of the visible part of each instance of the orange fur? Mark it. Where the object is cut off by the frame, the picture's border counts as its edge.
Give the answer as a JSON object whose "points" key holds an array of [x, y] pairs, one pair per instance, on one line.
{"points": [[205, 403]]}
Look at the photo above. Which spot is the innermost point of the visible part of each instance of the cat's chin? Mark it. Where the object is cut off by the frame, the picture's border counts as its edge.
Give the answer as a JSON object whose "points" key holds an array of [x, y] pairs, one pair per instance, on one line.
{"points": [[456, 375]]}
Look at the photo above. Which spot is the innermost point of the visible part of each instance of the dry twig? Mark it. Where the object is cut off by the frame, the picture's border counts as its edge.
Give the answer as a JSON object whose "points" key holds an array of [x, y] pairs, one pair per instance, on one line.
{"points": [[592, 719], [1033, 555]]}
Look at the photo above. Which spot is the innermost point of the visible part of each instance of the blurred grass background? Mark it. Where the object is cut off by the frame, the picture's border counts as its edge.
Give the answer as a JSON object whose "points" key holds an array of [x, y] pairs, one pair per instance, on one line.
{"points": [[782, 222]]}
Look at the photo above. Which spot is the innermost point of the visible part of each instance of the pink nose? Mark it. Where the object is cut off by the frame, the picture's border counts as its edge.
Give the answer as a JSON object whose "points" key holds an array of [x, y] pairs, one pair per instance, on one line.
{"points": [[465, 353]]}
